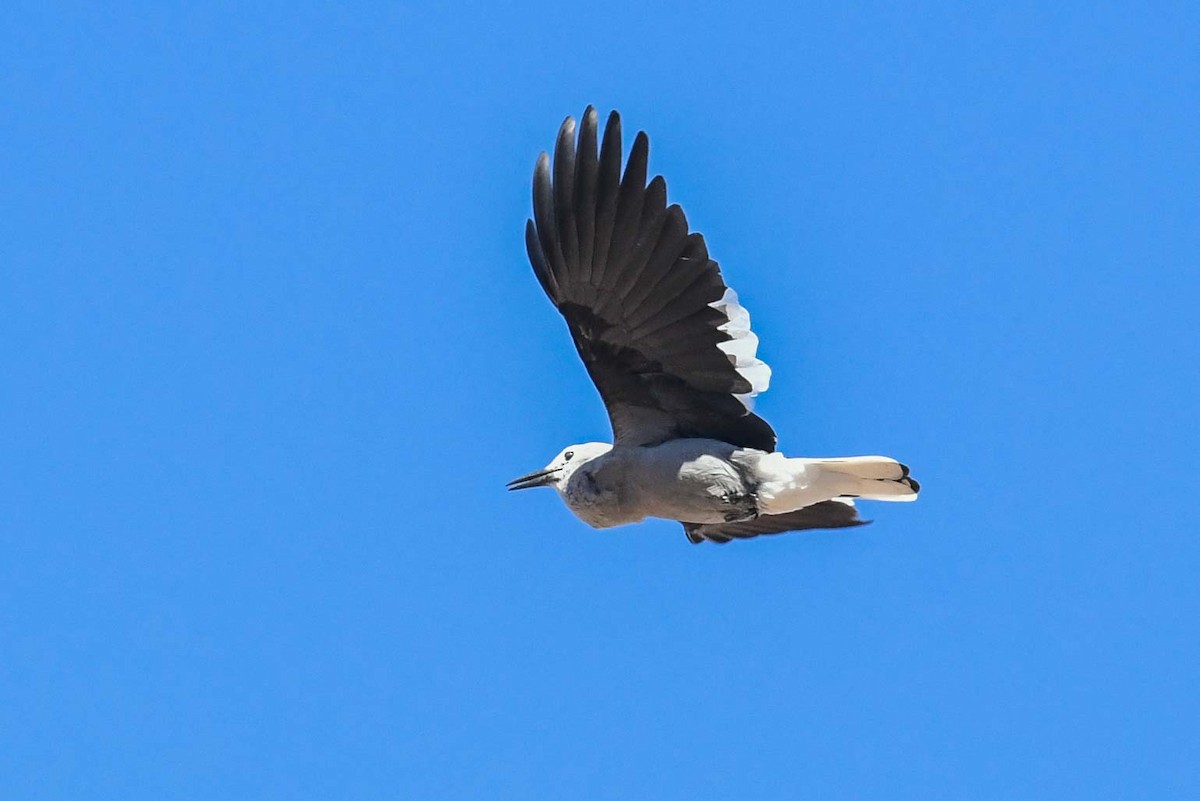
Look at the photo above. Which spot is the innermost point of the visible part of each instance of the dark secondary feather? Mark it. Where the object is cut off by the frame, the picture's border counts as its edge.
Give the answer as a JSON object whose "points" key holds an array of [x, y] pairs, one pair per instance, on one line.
{"points": [[635, 288], [827, 514]]}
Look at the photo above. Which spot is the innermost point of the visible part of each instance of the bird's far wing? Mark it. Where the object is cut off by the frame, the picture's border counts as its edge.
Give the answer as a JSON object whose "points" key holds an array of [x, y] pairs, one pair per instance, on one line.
{"points": [[827, 514], [662, 336]]}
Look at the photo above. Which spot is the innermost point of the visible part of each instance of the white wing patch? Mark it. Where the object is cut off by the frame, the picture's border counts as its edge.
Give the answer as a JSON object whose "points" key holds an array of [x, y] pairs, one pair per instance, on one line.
{"points": [[742, 348]]}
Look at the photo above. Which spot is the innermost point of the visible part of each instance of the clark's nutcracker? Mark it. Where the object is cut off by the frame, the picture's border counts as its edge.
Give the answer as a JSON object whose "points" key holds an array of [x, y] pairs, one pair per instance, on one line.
{"points": [[671, 352]]}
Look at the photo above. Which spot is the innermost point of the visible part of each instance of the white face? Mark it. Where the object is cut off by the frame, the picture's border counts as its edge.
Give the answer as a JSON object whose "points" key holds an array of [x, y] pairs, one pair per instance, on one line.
{"points": [[572, 457], [559, 470]]}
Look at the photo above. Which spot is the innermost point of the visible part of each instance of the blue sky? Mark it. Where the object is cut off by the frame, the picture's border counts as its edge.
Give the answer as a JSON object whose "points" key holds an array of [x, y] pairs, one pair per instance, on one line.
{"points": [[272, 349]]}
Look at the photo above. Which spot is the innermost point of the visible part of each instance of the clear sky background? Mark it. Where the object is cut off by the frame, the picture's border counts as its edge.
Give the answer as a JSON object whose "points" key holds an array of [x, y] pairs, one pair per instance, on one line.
{"points": [[271, 348]]}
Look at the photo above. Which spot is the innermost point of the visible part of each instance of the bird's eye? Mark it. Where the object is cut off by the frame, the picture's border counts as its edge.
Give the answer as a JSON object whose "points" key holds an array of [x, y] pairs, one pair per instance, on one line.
{"points": [[568, 455]]}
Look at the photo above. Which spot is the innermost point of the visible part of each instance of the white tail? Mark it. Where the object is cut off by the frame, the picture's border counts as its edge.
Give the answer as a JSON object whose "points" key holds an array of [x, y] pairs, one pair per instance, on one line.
{"points": [[790, 484], [877, 478]]}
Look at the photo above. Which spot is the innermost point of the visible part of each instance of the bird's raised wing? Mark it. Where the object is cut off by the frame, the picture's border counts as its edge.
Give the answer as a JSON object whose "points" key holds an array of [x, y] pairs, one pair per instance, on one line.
{"points": [[827, 514], [662, 336]]}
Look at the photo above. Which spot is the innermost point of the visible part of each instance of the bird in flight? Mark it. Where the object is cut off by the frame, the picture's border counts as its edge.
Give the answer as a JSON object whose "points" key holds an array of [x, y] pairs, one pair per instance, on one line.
{"points": [[670, 349]]}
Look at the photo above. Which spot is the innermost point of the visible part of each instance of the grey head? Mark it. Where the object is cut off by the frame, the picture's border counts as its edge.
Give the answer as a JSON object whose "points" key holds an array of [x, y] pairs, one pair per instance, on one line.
{"points": [[562, 466]]}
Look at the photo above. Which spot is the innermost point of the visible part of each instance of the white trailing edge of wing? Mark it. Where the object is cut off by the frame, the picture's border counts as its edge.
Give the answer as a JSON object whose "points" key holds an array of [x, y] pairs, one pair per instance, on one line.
{"points": [[743, 347]]}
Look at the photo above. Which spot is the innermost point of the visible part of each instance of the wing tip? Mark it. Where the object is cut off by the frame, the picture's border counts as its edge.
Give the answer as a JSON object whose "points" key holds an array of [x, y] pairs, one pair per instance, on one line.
{"points": [[566, 131], [641, 146]]}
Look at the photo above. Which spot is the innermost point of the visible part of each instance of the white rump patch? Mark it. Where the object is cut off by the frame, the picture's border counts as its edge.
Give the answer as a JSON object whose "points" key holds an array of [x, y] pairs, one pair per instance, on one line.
{"points": [[742, 347]]}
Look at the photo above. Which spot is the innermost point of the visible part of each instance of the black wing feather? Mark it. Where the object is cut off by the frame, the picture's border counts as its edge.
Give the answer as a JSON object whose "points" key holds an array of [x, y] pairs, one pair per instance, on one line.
{"points": [[827, 514], [636, 289], [608, 183], [564, 192], [586, 176]]}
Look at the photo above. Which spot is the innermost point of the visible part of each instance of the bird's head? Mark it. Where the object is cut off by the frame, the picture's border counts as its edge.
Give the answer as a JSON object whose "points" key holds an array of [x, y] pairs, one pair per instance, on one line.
{"points": [[562, 466]]}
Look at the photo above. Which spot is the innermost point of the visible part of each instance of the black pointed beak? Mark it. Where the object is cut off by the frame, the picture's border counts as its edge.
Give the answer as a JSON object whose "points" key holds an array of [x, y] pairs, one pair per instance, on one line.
{"points": [[539, 479]]}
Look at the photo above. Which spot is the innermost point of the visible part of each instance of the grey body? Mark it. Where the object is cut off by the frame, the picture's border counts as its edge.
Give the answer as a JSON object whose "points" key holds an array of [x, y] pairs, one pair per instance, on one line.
{"points": [[696, 480]]}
